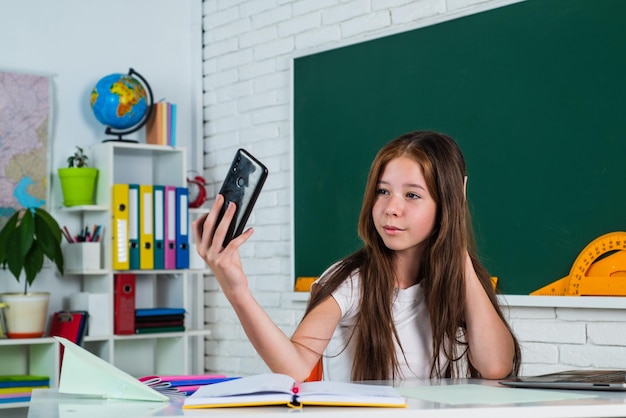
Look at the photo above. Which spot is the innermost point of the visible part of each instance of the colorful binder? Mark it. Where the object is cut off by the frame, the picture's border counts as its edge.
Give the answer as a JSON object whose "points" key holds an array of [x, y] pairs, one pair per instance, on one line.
{"points": [[170, 227], [133, 225], [159, 226], [124, 304], [119, 234], [146, 234], [182, 228]]}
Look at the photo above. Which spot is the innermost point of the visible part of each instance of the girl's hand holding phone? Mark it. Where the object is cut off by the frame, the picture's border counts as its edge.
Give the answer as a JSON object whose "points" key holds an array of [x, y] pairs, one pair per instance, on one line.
{"points": [[219, 234], [224, 262]]}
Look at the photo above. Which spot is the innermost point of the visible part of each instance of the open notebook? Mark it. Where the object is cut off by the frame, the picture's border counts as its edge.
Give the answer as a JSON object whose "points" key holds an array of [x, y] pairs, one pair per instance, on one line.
{"points": [[573, 379], [279, 389]]}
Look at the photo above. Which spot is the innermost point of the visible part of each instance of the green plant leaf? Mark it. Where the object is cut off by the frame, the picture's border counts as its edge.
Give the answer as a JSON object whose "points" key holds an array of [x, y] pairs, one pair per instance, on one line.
{"points": [[15, 258], [79, 159], [52, 223], [58, 259], [28, 237], [5, 234], [47, 232], [33, 263], [49, 237], [25, 232]]}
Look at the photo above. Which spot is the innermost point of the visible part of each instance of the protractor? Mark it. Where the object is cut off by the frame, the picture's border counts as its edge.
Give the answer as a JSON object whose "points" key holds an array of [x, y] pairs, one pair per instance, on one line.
{"points": [[613, 241]]}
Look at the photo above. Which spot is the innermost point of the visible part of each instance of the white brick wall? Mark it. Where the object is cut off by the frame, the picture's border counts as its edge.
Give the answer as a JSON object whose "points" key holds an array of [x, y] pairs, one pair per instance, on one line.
{"points": [[563, 333], [248, 49]]}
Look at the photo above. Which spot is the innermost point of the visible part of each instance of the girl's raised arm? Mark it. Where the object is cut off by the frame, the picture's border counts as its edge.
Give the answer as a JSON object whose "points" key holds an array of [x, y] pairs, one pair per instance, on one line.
{"points": [[491, 345], [296, 356]]}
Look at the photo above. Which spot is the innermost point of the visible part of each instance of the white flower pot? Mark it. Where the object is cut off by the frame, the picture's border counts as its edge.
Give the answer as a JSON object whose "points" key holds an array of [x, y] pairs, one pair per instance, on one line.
{"points": [[26, 314]]}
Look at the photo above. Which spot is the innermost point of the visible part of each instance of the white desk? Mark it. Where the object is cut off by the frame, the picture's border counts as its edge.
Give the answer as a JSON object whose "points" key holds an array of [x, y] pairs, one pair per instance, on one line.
{"points": [[49, 403]]}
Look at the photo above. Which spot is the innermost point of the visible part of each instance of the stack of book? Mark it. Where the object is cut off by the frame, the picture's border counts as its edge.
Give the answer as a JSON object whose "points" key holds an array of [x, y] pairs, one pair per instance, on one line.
{"points": [[161, 127], [18, 388], [159, 320]]}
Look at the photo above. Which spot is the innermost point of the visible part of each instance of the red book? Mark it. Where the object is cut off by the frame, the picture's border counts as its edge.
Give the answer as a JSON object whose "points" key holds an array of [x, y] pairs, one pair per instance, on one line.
{"points": [[124, 304]]}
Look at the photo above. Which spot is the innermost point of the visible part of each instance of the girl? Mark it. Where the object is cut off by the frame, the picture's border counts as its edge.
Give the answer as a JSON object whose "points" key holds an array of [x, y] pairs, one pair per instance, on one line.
{"points": [[414, 301]]}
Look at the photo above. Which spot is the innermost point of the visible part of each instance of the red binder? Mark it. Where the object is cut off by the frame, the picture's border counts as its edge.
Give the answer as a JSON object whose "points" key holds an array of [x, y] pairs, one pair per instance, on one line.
{"points": [[69, 324], [124, 304]]}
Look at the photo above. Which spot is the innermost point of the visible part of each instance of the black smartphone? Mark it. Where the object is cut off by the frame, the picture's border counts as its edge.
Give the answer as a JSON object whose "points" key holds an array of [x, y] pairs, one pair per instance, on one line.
{"points": [[242, 186]]}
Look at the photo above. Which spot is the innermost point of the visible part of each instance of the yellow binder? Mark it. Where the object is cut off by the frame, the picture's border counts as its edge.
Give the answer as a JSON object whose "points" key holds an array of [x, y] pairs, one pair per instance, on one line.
{"points": [[119, 227], [146, 231]]}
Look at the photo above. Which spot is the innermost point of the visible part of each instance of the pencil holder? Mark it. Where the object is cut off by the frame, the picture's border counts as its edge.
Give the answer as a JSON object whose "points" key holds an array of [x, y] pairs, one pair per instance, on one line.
{"points": [[82, 256]]}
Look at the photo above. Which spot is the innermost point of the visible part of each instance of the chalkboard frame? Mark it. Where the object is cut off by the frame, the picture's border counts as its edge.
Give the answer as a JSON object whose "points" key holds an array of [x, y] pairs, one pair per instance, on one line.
{"points": [[533, 93]]}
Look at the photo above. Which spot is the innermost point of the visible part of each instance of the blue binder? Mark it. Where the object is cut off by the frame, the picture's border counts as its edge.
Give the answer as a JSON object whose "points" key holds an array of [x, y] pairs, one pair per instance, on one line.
{"points": [[182, 228], [158, 192], [133, 225]]}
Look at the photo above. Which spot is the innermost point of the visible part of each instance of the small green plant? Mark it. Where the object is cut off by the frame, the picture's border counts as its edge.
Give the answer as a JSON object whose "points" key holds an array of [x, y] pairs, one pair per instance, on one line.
{"points": [[28, 236], [78, 159]]}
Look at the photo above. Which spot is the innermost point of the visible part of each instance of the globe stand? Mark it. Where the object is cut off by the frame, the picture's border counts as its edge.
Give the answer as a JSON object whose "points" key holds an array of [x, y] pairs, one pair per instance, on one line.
{"points": [[144, 120], [109, 131]]}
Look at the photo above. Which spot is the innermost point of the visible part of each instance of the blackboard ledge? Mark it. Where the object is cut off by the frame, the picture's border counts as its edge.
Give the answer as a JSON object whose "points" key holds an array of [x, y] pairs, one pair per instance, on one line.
{"points": [[519, 301], [591, 302]]}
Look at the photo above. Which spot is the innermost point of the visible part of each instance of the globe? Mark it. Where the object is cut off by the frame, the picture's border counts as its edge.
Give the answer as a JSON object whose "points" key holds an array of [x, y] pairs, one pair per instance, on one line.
{"points": [[121, 102]]}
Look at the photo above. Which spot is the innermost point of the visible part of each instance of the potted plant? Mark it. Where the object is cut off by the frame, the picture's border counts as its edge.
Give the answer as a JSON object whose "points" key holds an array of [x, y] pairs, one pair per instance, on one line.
{"points": [[28, 236], [78, 181]]}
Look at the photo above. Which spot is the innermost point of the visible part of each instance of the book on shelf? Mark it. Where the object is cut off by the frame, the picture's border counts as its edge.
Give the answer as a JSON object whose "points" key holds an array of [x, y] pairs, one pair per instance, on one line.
{"points": [[280, 389], [162, 323], [154, 320], [18, 388], [21, 389], [161, 127], [154, 330], [23, 380], [14, 398], [158, 312]]}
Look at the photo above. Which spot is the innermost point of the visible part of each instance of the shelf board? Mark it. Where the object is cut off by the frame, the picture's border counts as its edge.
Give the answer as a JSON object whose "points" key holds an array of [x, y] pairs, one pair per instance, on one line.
{"points": [[203, 271], [84, 208], [170, 271], [199, 333], [198, 211], [9, 405], [155, 335], [27, 341], [149, 336], [86, 272]]}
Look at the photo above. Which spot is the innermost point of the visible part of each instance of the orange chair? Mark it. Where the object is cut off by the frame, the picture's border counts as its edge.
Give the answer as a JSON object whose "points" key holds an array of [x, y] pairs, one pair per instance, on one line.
{"points": [[317, 372]]}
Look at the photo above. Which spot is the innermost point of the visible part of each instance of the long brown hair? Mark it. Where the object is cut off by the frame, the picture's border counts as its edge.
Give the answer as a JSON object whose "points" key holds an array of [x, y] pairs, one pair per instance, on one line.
{"points": [[441, 270]]}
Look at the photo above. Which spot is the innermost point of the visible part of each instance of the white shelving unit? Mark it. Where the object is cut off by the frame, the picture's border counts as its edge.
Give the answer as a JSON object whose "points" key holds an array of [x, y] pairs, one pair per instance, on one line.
{"points": [[139, 354], [143, 354], [36, 356]]}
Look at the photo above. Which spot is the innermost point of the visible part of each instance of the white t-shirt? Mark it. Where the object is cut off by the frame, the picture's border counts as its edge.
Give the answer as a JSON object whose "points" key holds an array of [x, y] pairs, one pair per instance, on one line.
{"points": [[412, 323]]}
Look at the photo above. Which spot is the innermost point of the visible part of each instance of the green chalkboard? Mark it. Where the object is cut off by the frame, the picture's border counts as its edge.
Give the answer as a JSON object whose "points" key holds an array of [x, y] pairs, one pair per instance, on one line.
{"points": [[535, 95]]}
